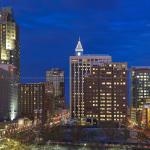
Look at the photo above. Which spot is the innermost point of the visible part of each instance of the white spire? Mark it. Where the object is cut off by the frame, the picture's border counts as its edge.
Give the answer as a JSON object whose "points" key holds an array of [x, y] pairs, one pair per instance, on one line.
{"points": [[79, 46]]}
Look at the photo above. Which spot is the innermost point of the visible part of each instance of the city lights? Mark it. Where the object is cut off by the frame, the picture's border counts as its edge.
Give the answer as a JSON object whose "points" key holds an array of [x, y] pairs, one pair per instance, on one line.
{"points": [[92, 101]]}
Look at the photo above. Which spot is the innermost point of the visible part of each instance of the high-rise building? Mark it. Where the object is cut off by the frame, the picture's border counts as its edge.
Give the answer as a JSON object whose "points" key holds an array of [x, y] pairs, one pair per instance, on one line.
{"points": [[106, 92], [140, 86], [140, 92], [9, 58], [55, 76], [9, 40], [36, 101], [8, 92], [80, 66]]}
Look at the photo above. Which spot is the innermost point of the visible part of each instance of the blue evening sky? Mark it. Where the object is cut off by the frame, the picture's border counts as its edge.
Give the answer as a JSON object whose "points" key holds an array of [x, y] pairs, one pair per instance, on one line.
{"points": [[49, 30]]}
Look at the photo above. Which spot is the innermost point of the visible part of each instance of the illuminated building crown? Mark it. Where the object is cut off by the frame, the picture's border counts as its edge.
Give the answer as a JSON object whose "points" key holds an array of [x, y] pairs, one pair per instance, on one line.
{"points": [[79, 49]]}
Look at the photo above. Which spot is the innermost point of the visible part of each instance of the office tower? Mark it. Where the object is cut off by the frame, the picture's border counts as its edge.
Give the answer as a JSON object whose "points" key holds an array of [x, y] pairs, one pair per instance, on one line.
{"points": [[36, 101], [55, 76], [80, 65], [9, 40], [9, 58], [140, 86], [8, 92], [105, 92]]}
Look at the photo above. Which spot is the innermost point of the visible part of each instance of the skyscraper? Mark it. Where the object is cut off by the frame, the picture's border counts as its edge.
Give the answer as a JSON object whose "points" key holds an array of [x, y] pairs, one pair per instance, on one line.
{"points": [[140, 91], [9, 62], [80, 66], [9, 40], [106, 93], [36, 101], [55, 76], [140, 86]]}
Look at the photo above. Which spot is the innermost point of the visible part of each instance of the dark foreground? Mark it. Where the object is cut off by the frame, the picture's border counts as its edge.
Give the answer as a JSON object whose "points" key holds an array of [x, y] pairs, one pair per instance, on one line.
{"points": [[76, 138], [15, 145]]}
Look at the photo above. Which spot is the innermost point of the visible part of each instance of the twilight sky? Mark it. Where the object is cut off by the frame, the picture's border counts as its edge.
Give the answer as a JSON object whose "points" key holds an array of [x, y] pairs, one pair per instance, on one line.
{"points": [[49, 30]]}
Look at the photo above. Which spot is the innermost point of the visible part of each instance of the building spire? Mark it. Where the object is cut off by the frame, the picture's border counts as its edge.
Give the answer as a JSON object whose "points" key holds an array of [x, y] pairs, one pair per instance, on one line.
{"points": [[79, 48]]}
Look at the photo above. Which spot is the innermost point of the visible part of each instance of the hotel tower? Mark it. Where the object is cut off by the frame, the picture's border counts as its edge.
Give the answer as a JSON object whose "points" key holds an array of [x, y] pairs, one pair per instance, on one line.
{"points": [[80, 66], [98, 88]]}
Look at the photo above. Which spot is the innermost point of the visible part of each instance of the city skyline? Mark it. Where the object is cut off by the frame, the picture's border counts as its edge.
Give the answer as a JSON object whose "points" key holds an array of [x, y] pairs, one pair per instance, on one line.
{"points": [[120, 29], [91, 55]]}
